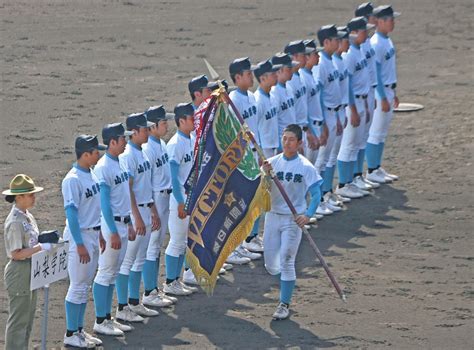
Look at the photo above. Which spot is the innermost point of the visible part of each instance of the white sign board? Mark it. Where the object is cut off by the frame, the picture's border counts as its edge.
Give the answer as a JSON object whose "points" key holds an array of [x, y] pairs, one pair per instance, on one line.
{"points": [[48, 267]]}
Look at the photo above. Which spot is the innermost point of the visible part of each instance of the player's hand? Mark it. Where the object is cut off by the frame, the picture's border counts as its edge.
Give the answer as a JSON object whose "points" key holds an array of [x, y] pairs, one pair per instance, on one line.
{"points": [[345, 122], [339, 128], [311, 140], [102, 243], [355, 118], [267, 167], [155, 219], [181, 212], [84, 257], [302, 220], [324, 136], [385, 106], [396, 102], [140, 228], [115, 241], [131, 233]]}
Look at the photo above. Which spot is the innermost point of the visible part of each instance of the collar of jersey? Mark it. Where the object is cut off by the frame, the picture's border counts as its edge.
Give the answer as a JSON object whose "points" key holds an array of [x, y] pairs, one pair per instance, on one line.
{"points": [[297, 73], [355, 46], [107, 154], [307, 70], [282, 85], [336, 55], [325, 54], [263, 92], [183, 134], [78, 167], [290, 159], [382, 35], [154, 139], [134, 145], [245, 93]]}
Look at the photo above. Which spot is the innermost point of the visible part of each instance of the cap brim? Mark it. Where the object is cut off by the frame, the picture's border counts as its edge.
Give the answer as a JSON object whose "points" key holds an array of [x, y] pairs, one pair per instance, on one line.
{"points": [[276, 67], [127, 133], [340, 35], [397, 14], [169, 116], [149, 124], [101, 147], [10, 193], [308, 50], [294, 64], [369, 26]]}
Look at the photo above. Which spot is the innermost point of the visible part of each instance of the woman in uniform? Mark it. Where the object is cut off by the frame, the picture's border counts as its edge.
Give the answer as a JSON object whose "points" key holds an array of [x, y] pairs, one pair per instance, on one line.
{"points": [[21, 242]]}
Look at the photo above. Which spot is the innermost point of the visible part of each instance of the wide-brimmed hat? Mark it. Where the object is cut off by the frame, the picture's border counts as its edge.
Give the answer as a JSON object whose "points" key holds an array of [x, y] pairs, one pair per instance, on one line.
{"points": [[22, 184]]}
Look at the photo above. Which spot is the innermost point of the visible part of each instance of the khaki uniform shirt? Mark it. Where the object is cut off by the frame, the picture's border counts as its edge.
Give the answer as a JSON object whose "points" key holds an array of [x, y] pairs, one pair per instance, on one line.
{"points": [[21, 231]]}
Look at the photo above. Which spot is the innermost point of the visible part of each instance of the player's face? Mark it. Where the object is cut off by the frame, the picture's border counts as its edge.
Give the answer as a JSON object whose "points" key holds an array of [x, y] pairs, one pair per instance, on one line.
{"points": [[162, 128], [245, 80], [312, 59], [187, 124], [205, 93], [118, 145], [344, 45], [300, 58], [92, 157], [331, 45], [361, 36], [290, 143], [141, 135], [386, 24], [372, 20]]}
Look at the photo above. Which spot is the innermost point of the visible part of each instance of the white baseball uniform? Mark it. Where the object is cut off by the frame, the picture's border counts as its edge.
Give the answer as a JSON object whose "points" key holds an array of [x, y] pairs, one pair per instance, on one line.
{"points": [[267, 135], [369, 53], [285, 103], [296, 86], [247, 106]]}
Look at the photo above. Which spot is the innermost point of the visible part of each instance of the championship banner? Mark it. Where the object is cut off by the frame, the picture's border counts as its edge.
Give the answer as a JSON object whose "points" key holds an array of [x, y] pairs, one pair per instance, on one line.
{"points": [[228, 195]]}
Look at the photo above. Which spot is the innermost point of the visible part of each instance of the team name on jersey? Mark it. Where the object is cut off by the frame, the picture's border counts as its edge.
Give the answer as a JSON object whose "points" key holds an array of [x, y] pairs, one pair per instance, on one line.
{"points": [[369, 54], [360, 65], [287, 104], [333, 76], [389, 54], [188, 157], [250, 112], [89, 192], [343, 75], [271, 113], [162, 160], [123, 177], [144, 167], [300, 92], [289, 177]]}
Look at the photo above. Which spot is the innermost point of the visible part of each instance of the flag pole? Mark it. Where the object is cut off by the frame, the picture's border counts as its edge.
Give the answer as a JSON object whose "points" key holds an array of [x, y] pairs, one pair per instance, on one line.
{"points": [[284, 194]]}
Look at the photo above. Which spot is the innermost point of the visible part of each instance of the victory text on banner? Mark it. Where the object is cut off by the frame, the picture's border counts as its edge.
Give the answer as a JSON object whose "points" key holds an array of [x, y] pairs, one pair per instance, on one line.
{"points": [[48, 267]]}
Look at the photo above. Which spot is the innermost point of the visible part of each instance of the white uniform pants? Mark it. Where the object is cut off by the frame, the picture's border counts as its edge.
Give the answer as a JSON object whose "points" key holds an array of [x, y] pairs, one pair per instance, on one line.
{"points": [[178, 230], [281, 239], [352, 136], [371, 105], [381, 123], [269, 152], [325, 151], [82, 275], [162, 203], [111, 259], [136, 250], [311, 154]]}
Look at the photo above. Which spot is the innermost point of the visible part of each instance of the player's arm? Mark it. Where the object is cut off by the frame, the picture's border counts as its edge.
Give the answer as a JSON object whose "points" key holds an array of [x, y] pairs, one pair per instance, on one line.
{"points": [[115, 241], [140, 228], [355, 119], [381, 88], [325, 133], [176, 188], [315, 192]]}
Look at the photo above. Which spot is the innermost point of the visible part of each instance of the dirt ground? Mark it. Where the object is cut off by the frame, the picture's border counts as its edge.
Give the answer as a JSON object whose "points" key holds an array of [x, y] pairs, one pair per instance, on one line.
{"points": [[404, 255]]}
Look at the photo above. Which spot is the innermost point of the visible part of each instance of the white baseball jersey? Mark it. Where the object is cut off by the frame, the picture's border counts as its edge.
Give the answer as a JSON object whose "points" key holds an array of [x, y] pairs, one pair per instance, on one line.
{"points": [[343, 78], [136, 163], [247, 106], [328, 76], [180, 149], [155, 149], [298, 88], [312, 95], [285, 106], [358, 67], [369, 54], [110, 172], [385, 55], [267, 119], [296, 175], [80, 189]]}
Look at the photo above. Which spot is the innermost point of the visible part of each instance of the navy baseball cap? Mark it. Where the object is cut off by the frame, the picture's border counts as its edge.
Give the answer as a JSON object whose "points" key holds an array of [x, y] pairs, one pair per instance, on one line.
{"points": [[266, 67], [155, 114], [87, 143], [344, 30], [114, 130], [137, 120], [213, 85], [198, 83], [312, 44], [240, 65], [284, 60], [296, 47], [359, 23], [329, 32], [183, 110], [366, 9], [385, 11]]}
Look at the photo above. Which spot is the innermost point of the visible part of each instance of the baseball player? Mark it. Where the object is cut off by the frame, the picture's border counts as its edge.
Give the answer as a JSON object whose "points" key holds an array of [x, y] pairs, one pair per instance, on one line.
{"points": [[366, 10], [155, 149], [386, 94], [116, 227], [356, 111], [180, 149], [282, 233], [144, 217], [240, 71], [328, 78], [199, 89], [80, 190]]}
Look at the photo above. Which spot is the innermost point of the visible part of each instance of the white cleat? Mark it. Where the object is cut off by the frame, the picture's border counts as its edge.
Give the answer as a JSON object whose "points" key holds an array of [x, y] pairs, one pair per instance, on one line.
{"points": [[163, 295], [222, 271], [244, 252], [107, 328], [189, 278], [90, 338], [332, 199], [227, 267], [155, 299], [333, 208], [174, 288], [126, 314], [282, 312], [392, 176], [312, 221], [78, 340], [236, 258], [378, 177], [252, 246], [348, 192], [370, 183], [121, 326], [143, 311], [186, 287], [357, 189], [361, 184], [323, 209]]}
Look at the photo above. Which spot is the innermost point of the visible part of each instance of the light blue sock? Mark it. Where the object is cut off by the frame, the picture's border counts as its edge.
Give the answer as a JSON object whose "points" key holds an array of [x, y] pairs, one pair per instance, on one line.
{"points": [[100, 294], [360, 161], [149, 278], [186, 266], [171, 263], [82, 312], [72, 315], [286, 291], [179, 267], [344, 169], [110, 298], [328, 179], [381, 147], [122, 289], [322, 173], [134, 280], [255, 227], [156, 272], [353, 169], [371, 155]]}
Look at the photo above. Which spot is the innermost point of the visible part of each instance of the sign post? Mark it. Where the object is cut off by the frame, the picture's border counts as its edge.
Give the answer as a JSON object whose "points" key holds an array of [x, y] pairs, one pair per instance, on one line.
{"points": [[46, 268]]}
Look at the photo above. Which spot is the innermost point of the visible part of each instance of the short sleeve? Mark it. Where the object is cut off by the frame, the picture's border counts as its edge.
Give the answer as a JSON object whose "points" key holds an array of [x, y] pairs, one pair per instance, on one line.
{"points": [[349, 63], [175, 152], [102, 176], [311, 176], [71, 192], [376, 45], [127, 161], [14, 236]]}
